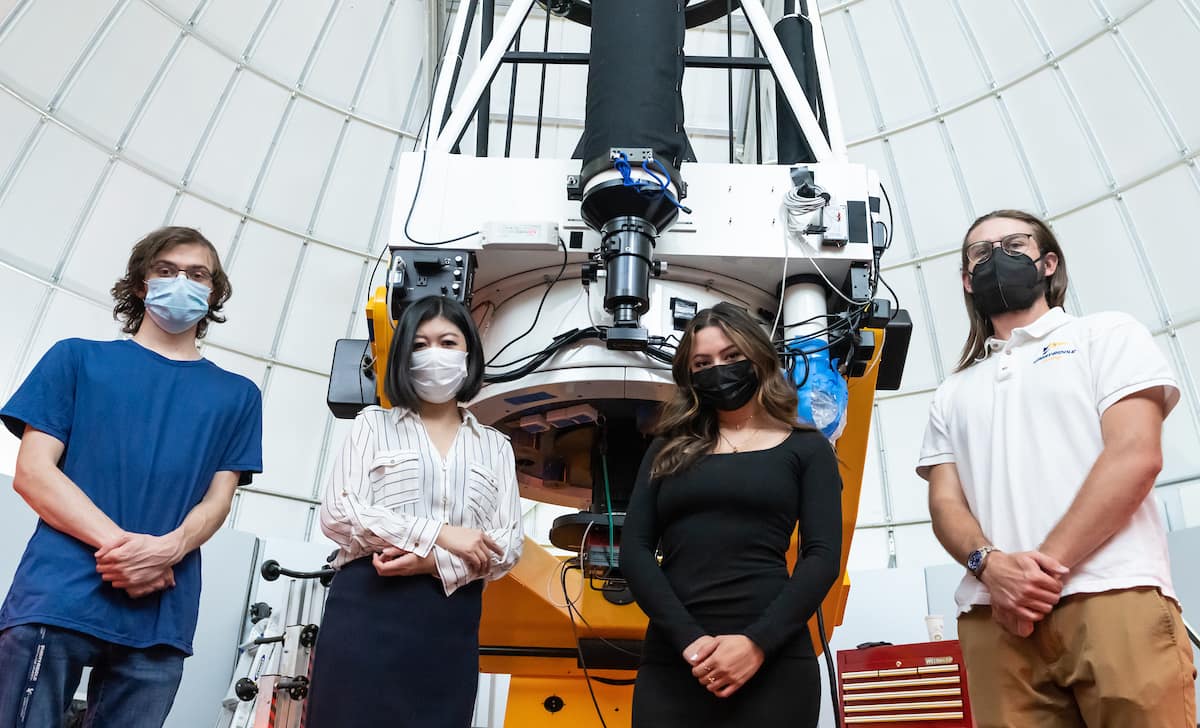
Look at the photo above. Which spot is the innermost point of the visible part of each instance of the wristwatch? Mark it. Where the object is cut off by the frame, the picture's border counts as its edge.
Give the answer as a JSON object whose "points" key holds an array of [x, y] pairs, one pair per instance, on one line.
{"points": [[978, 559]]}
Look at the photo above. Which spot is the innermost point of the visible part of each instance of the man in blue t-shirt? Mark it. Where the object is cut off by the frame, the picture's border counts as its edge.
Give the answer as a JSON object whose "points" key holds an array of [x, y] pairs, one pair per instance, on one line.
{"points": [[130, 454]]}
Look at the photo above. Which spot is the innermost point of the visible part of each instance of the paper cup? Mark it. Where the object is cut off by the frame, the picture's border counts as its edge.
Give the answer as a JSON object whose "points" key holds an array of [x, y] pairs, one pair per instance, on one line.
{"points": [[935, 625]]}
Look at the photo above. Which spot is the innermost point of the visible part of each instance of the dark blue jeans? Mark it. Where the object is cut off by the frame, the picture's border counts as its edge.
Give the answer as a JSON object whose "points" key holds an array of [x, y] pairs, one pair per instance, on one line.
{"points": [[40, 667]]}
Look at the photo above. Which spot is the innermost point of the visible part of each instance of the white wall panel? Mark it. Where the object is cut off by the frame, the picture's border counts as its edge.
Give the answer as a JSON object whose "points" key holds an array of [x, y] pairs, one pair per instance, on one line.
{"points": [[130, 205], [175, 118], [181, 10], [1157, 207], [270, 517], [65, 317], [355, 187], [18, 121], [1121, 9], [230, 24], [1131, 136], [395, 84], [111, 86], [916, 546], [1066, 23], [340, 61], [931, 190], [868, 550], [21, 295], [902, 420], [234, 155], [218, 225], [949, 60], [1100, 255], [294, 416], [1181, 457], [1189, 495], [289, 38], [261, 270], [42, 206], [853, 95], [37, 67], [326, 295], [989, 159], [870, 501], [1009, 49], [949, 322], [894, 72], [1055, 144], [919, 370], [298, 166], [1167, 43]]}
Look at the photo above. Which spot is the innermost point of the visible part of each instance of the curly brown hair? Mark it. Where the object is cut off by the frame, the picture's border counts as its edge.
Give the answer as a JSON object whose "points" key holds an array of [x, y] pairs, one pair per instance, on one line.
{"points": [[131, 289], [689, 429]]}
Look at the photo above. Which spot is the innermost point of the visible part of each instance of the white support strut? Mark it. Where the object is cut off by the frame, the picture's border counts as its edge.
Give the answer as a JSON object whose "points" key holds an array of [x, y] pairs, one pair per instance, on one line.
{"points": [[788, 83], [441, 92], [833, 116], [483, 75]]}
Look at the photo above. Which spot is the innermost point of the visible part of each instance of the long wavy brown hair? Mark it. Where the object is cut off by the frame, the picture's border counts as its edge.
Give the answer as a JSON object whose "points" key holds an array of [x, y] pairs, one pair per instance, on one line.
{"points": [[690, 429], [1056, 289], [130, 291]]}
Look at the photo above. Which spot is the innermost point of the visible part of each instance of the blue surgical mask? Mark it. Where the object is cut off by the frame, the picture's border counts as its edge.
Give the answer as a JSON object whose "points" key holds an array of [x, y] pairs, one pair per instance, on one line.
{"points": [[176, 304]]}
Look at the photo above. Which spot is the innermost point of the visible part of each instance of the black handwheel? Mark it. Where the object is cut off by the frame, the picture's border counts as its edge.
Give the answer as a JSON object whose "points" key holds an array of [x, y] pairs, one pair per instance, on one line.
{"points": [[245, 689], [308, 635], [259, 611], [271, 570], [299, 690]]}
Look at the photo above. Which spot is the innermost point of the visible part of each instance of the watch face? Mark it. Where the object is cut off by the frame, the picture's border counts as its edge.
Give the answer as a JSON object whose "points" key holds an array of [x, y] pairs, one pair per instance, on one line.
{"points": [[974, 560]]}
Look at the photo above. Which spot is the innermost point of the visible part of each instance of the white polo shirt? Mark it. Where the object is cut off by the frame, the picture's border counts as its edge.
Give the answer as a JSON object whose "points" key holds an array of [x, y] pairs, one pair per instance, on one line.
{"points": [[1022, 425]]}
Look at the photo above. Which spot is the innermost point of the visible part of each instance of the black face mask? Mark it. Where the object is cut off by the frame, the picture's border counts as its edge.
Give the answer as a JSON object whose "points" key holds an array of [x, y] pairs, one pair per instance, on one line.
{"points": [[726, 386], [1006, 282]]}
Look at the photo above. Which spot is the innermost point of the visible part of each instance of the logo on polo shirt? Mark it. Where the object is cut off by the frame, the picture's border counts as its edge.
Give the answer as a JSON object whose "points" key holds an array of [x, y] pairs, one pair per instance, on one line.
{"points": [[1056, 349]]}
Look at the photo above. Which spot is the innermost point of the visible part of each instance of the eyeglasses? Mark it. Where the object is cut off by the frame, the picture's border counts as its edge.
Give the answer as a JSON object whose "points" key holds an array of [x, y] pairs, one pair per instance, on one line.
{"points": [[167, 269], [1015, 244]]}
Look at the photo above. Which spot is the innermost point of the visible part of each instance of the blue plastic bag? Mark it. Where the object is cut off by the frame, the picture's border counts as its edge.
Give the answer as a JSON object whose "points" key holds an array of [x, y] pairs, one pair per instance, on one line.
{"points": [[821, 389]]}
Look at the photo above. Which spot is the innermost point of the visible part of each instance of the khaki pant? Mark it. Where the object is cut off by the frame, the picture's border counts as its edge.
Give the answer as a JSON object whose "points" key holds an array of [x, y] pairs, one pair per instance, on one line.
{"points": [[1118, 659]]}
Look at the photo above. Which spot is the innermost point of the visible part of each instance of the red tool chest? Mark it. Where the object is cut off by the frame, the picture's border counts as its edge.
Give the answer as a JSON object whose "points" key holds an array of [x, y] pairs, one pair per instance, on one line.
{"points": [[922, 684]]}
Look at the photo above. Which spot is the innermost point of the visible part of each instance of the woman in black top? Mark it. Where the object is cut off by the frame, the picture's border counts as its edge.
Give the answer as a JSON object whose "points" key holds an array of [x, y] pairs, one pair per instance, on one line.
{"points": [[721, 489]]}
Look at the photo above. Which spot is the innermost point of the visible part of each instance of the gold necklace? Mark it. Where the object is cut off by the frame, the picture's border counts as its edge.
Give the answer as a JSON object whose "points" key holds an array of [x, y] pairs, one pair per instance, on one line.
{"points": [[729, 442], [737, 428]]}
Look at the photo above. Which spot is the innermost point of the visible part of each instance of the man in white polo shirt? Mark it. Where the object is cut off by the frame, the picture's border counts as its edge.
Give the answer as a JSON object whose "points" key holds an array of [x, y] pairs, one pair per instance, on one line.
{"points": [[1041, 454]]}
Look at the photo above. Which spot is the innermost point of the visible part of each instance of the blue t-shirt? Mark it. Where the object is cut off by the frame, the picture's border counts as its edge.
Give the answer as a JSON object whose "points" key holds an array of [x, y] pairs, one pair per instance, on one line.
{"points": [[144, 437]]}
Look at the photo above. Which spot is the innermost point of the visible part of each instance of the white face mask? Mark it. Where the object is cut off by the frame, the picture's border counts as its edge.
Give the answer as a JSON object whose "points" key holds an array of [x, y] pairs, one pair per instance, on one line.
{"points": [[438, 374]]}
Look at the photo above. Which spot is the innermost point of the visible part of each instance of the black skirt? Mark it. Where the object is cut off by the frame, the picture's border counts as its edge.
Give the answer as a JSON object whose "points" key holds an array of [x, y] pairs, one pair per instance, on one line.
{"points": [[784, 693], [395, 651]]}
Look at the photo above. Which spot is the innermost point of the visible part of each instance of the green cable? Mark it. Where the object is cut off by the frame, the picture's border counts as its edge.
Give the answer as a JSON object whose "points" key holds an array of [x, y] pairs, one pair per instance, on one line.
{"points": [[608, 499]]}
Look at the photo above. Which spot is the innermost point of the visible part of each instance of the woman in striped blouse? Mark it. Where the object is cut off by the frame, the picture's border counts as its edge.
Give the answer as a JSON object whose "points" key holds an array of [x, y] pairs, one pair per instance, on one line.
{"points": [[423, 503]]}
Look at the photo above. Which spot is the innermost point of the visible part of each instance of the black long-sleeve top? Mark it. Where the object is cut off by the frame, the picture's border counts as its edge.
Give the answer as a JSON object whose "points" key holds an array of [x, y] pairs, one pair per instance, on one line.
{"points": [[725, 525]]}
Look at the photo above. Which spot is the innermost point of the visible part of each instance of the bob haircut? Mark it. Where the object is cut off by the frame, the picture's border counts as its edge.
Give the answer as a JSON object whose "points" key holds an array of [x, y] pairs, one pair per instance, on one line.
{"points": [[397, 383]]}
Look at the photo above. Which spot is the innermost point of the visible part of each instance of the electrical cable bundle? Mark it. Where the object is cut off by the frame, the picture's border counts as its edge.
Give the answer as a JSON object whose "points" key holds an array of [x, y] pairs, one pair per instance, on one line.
{"points": [[801, 202]]}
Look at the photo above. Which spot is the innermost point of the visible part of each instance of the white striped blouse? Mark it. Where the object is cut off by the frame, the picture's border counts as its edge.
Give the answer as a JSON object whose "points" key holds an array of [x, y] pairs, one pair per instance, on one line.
{"points": [[391, 487]]}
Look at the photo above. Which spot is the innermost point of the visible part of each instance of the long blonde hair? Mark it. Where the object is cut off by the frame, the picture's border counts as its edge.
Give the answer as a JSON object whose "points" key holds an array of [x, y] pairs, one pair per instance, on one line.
{"points": [[690, 430], [1056, 288]]}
